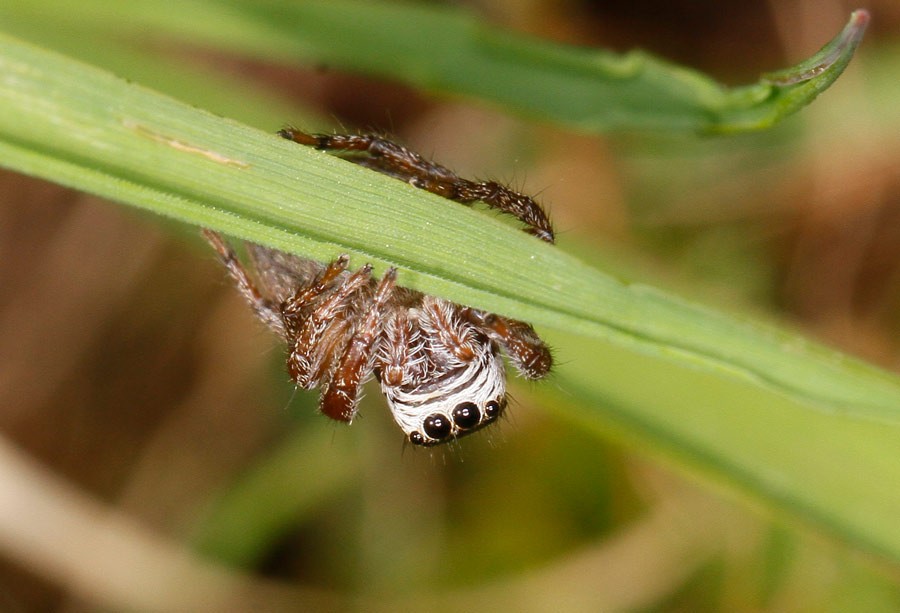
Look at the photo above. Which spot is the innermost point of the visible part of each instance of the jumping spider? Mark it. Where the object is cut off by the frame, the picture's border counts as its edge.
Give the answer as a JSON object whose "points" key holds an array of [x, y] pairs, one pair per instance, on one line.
{"points": [[438, 363]]}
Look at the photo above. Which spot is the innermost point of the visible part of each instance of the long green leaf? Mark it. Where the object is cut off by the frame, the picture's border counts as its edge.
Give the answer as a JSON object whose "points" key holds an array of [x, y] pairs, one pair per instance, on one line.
{"points": [[833, 471], [79, 126], [447, 50], [82, 127]]}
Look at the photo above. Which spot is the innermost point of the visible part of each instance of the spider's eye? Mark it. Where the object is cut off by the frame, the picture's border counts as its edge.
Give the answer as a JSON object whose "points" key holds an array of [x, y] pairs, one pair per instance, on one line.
{"points": [[493, 409], [437, 426], [416, 438], [466, 415]]}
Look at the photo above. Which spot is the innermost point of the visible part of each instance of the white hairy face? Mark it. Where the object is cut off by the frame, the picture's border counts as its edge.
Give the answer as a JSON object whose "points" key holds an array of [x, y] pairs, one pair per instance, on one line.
{"points": [[453, 403]]}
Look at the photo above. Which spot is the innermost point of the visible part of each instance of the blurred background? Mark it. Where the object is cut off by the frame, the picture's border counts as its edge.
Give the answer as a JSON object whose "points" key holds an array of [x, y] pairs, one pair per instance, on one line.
{"points": [[144, 396]]}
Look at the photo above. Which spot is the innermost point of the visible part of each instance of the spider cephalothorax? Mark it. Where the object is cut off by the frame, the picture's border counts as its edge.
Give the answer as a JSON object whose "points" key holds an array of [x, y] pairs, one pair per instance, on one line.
{"points": [[438, 363]]}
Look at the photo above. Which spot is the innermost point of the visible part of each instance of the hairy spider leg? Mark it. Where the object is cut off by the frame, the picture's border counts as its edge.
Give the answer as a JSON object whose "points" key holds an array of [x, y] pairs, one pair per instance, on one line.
{"points": [[341, 395], [317, 329], [526, 350], [279, 274], [265, 309], [292, 308], [401, 163], [498, 196]]}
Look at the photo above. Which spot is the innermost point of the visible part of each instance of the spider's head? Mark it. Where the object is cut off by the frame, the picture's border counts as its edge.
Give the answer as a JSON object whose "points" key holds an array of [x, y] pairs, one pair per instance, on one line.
{"points": [[452, 403]]}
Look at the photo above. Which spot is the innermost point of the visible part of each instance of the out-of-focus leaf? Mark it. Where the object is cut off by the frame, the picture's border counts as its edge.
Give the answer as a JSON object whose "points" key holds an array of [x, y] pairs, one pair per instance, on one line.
{"points": [[448, 50]]}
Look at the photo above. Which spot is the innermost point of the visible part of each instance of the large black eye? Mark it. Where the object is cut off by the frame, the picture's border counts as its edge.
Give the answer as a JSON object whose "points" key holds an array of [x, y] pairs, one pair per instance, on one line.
{"points": [[437, 426], [493, 409], [466, 415]]}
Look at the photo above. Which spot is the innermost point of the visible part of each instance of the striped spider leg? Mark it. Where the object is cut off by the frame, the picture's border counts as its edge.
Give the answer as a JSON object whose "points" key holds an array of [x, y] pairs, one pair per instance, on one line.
{"points": [[387, 157], [316, 317]]}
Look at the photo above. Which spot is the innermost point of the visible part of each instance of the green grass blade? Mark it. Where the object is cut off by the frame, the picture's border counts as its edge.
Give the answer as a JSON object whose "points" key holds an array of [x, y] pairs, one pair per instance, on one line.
{"points": [[447, 50], [833, 471], [81, 127]]}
